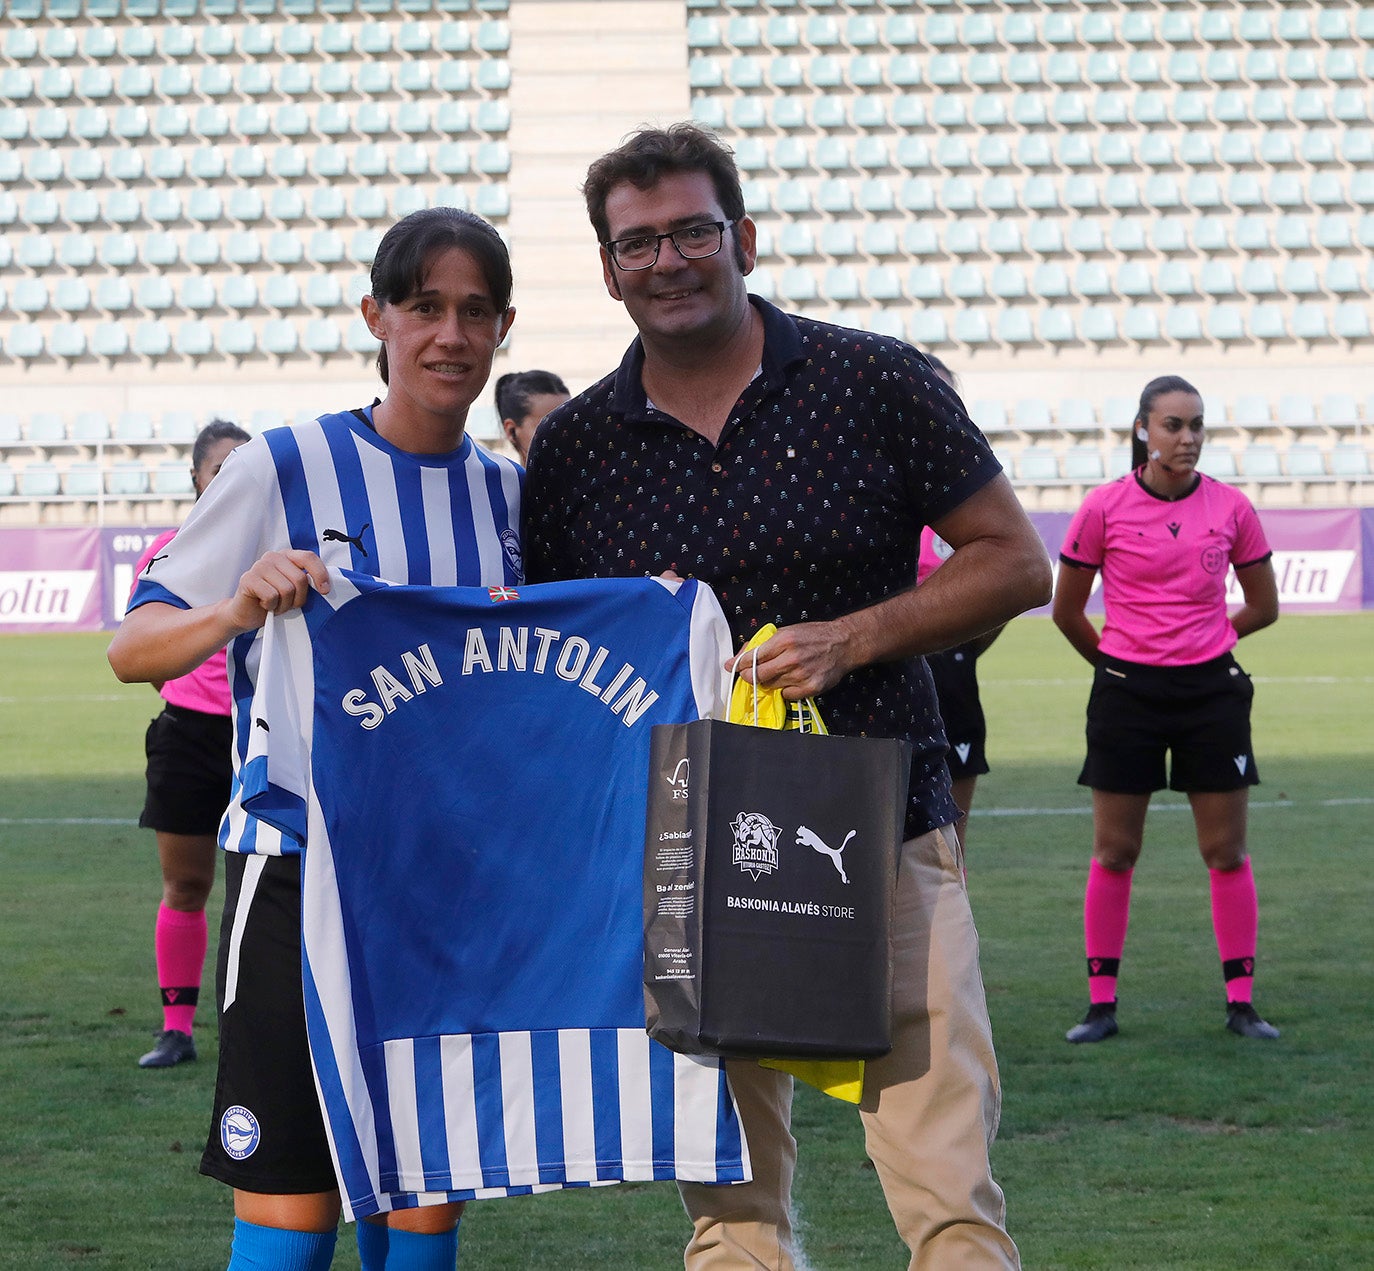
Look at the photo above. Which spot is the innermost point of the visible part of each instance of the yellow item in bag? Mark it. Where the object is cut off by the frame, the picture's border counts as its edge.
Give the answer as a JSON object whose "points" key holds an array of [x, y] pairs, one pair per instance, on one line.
{"points": [[767, 708]]}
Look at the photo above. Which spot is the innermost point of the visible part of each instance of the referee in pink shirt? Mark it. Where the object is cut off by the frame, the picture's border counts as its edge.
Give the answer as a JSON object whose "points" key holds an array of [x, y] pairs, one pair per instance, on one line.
{"points": [[189, 748], [1165, 683]]}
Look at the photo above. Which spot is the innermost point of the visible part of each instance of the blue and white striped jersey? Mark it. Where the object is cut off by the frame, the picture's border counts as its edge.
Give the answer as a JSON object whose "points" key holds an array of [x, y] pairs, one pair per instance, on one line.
{"points": [[336, 488], [465, 771]]}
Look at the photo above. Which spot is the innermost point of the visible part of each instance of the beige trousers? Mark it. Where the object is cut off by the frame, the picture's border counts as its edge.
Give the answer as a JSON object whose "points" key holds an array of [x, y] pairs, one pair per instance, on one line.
{"points": [[930, 1107]]}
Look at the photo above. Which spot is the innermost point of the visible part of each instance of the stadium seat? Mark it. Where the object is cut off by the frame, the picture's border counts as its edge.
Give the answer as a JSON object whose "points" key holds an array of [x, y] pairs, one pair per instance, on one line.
{"points": [[236, 338], [40, 480], [928, 329], [193, 339], [1098, 324], [1350, 461], [127, 478], [109, 339], [1083, 464], [1305, 461], [1260, 462], [281, 291], [239, 292], [172, 478], [1218, 461], [322, 337], [1037, 464], [1225, 322]]}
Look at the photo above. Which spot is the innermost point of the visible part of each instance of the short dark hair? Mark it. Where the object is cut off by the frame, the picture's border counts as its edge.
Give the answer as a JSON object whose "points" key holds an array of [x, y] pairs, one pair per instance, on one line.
{"points": [[651, 153], [515, 388], [215, 430], [398, 268], [1152, 391], [940, 369]]}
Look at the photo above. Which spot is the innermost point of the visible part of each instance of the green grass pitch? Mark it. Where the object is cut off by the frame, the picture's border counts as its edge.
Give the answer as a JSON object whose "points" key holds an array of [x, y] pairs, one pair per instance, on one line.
{"points": [[1174, 1145]]}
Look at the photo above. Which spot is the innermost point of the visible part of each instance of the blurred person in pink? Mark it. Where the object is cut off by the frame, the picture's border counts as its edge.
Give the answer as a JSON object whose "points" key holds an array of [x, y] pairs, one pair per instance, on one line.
{"points": [[189, 772], [955, 672]]}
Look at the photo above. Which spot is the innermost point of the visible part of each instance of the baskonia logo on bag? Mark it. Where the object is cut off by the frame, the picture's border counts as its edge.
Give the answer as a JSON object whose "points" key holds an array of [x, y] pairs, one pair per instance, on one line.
{"points": [[756, 843]]}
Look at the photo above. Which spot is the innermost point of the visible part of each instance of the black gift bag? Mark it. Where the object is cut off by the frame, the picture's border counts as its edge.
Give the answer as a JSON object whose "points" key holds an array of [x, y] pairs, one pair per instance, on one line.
{"points": [[770, 862]]}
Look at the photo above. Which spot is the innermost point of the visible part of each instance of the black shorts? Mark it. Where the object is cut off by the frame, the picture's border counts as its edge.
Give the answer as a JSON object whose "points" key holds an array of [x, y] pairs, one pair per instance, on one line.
{"points": [[955, 672], [267, 1133], [1199, 715], [190, 767]]}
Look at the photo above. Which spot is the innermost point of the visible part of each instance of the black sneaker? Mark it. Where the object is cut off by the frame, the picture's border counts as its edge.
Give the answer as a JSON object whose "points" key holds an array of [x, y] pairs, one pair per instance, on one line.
{"points": [[1098, 1024], [1242, 1018], [172, 1047]]}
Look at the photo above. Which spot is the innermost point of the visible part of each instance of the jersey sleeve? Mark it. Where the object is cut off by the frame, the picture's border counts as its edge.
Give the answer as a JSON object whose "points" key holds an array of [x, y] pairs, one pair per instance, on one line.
{"points": [[237, 519], [276, 770], [1251, 545], [711, 646], [1085, 539]]}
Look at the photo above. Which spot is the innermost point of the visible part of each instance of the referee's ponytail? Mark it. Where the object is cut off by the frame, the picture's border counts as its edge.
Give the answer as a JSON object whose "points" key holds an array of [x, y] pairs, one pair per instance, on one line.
{"points": [[1140, 453]]}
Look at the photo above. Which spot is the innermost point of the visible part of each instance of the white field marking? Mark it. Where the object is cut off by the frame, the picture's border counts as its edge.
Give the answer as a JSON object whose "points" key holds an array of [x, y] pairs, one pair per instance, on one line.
{"points": [[1172, 807], [977, 812], [72, 697], [66, 820]]}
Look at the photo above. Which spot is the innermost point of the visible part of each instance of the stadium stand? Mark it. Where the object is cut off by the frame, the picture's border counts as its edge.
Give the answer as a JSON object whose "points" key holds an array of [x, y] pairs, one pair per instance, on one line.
{"points": [[1061, 199]]}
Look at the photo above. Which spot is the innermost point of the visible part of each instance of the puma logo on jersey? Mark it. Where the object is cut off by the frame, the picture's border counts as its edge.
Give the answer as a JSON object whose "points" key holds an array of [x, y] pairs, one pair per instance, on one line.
{"points": [[148, 567], [339, 536], [1241, 761], [262, 723]]}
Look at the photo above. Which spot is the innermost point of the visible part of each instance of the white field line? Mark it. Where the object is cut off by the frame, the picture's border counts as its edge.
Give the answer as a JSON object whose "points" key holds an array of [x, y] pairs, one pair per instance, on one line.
{"points": [[977, 811], [1172, 807]]}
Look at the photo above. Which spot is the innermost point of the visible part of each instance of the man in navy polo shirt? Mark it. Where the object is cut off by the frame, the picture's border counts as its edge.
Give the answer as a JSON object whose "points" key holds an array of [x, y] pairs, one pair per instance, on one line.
{"points": [[791, 465]]}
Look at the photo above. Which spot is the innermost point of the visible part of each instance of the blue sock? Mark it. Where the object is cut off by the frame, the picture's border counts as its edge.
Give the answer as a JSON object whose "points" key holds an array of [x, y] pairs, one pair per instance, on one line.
{"points": [[276, 1249], [372, 1246], [410, 1251]]}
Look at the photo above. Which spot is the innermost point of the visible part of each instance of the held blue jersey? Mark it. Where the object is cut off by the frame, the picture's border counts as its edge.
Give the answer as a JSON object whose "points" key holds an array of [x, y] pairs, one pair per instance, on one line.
{"points": [[465, 771], [333, 486]]}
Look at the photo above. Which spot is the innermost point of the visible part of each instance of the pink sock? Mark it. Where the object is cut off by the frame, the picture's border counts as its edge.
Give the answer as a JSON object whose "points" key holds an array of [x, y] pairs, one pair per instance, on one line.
{"points": [[180, 940], [1235, 919], [1106, 912]]}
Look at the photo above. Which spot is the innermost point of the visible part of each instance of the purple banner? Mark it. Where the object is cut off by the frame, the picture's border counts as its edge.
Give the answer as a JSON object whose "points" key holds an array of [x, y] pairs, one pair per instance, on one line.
{"points": [[1320, 560], [50, 580], [77, 579], [67, 578], [1367, 553], [119, 553]]}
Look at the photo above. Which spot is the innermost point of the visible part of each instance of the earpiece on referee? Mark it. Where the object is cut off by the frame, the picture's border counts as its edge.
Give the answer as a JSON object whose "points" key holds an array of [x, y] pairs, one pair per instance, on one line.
{"points": [[1141, 433]]}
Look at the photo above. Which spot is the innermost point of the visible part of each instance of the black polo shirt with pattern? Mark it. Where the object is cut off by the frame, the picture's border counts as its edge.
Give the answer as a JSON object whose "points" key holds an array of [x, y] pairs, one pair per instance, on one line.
{"points": [[809, 507]]}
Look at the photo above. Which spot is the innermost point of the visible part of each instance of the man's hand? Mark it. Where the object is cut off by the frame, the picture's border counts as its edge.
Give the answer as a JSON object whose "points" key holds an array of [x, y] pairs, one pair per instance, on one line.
{"points": [[802, 660]]}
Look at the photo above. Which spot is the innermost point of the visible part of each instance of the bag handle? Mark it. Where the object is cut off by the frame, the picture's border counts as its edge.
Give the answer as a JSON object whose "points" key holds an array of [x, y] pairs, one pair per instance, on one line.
{"points": [[802, 707], [734, 676]]}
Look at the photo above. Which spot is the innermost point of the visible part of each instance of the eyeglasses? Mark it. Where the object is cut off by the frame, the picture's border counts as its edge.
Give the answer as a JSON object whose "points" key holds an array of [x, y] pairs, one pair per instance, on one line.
{"points": [[693, 242]]}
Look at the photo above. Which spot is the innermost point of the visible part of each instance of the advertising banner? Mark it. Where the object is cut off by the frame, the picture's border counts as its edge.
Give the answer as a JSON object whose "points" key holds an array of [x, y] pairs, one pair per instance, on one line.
{"points": [[78, 578], [119, 553], [50, 580], [1319, 560]]}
